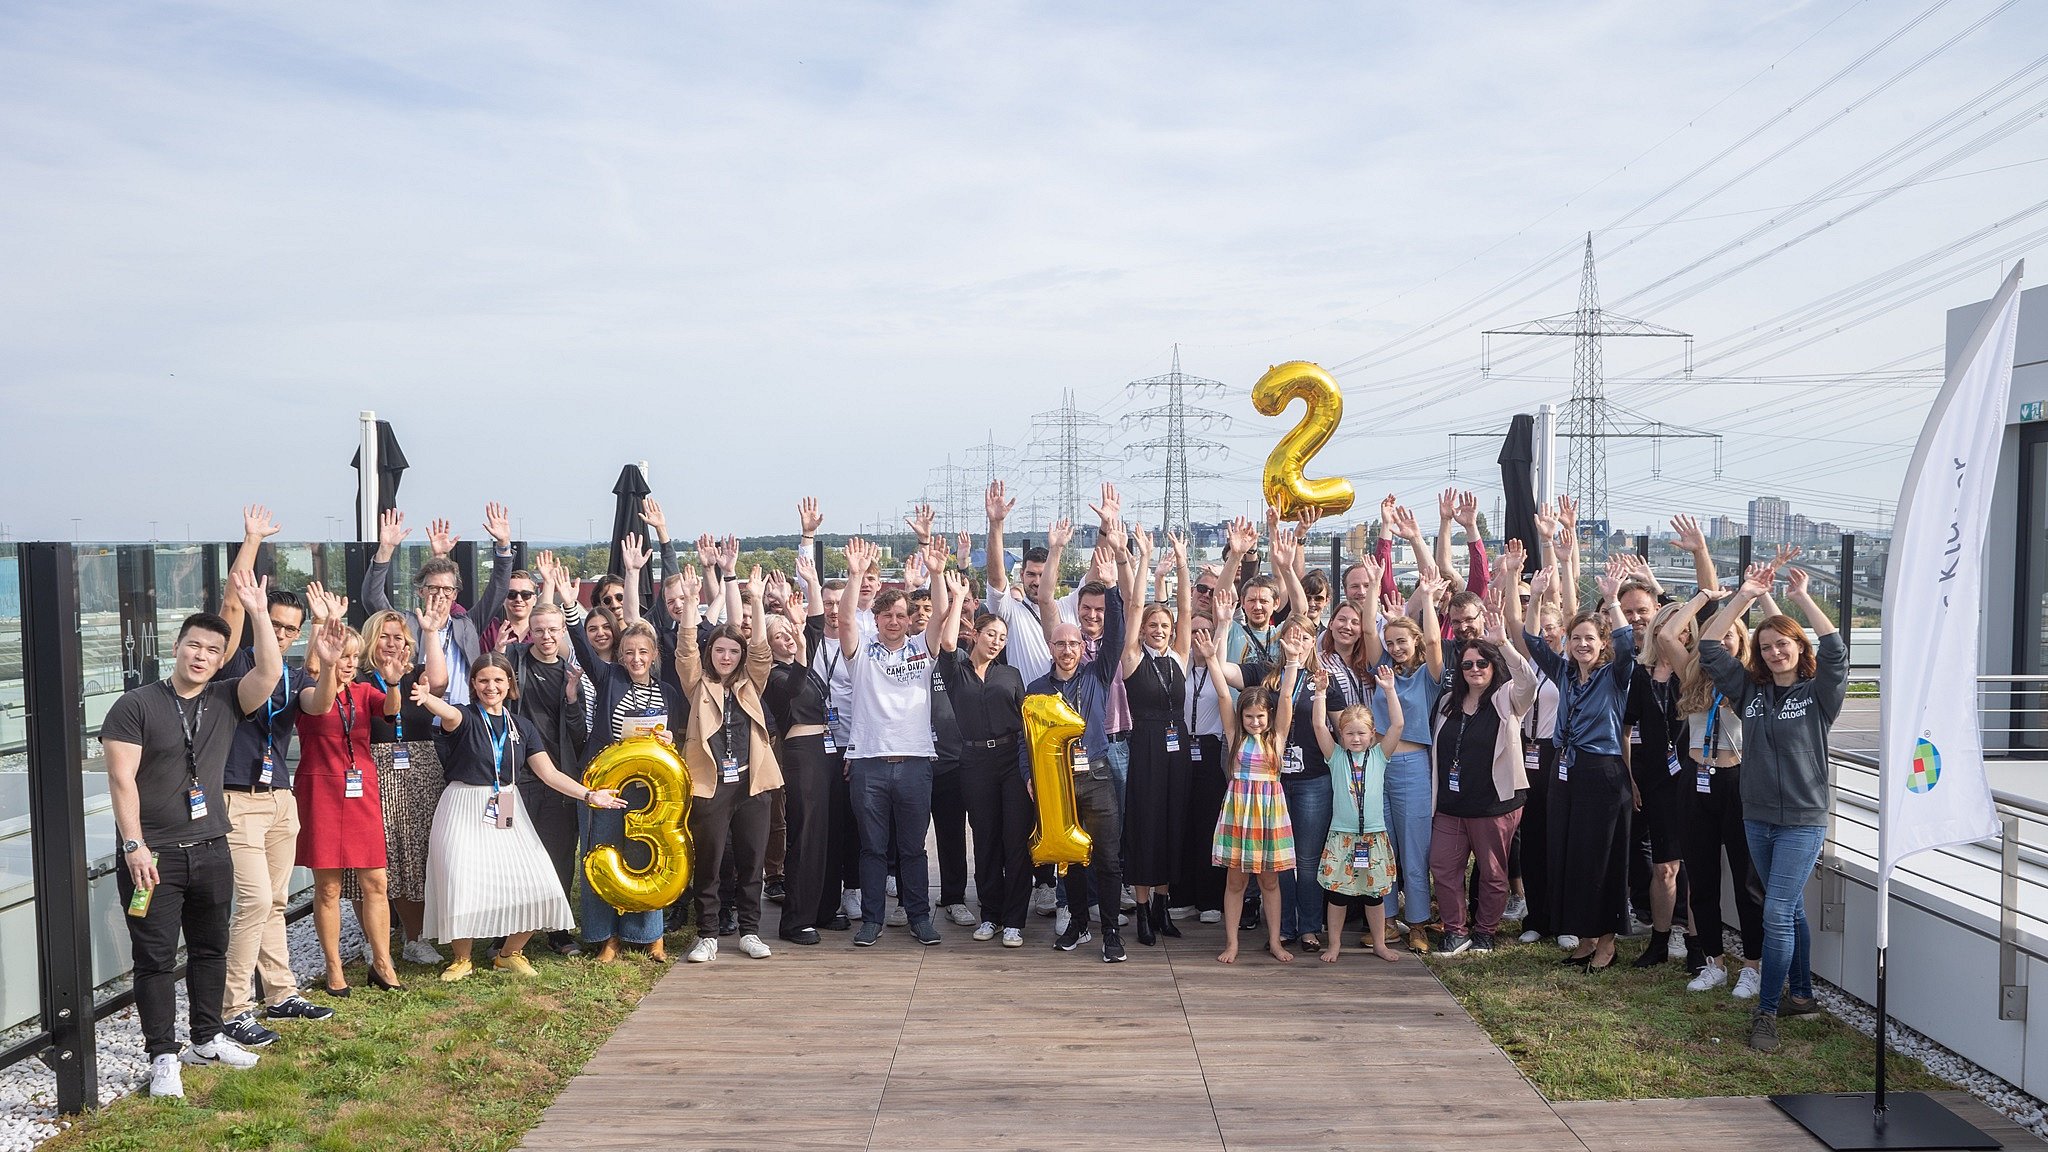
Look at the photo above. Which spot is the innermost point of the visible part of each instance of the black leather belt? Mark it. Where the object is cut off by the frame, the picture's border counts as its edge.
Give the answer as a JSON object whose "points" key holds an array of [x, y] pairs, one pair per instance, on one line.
{"points": [[998, 742], [256, 789]]}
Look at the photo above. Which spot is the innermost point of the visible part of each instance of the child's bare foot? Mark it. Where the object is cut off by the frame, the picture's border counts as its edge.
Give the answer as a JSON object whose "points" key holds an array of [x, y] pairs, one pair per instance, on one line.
{"points": [[1280, 954], [1330, 953], [1228, 955], [1386, 953]]}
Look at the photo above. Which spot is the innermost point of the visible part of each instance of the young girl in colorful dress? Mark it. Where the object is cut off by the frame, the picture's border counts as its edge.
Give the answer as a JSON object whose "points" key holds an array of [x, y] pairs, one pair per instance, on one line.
{"points": [[1357, 868], [1253, 835]]}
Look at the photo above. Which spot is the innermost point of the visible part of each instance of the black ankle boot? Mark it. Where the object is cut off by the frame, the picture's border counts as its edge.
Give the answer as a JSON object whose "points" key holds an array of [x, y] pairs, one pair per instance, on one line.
{"points": [[1162, 920], [1142, 917]]}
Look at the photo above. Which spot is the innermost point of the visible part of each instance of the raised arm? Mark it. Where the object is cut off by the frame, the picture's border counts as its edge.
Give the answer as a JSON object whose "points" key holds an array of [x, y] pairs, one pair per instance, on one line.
{"points": [[1796, 591], [1319, 710], [1568, 522], [942, 599], [1397, 721], [1446, 504], [1056, 539], [1131, 572], [1479, 574], [258, 525], [1209, 646], [1183, 610], [261, 680], [999, 506], [1370, 615], [657, 532], [1432, 629], [632, 561], [760, 657], [1687, 535], [1287, 545], [328, 640], [448, 714], [1239, 538], [860, 556], [391, 531], [498, 524], [1300, 652]]}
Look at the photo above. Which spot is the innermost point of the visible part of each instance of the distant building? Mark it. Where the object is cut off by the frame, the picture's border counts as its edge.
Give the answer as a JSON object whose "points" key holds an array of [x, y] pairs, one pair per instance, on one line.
{"points": [[1724, 528], [1769, 519]]}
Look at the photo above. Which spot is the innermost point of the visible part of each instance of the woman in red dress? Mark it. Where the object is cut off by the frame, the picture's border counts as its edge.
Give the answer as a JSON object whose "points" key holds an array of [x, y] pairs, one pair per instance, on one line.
{"points": [[341, 818]]}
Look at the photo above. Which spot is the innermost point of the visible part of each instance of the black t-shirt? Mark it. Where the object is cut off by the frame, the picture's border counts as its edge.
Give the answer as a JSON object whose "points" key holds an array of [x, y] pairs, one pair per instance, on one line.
{"points": [[1647, 718], [1469, 741], [417, 722], [469, 752], [156, 718], [1301, 729], [945, 729], [270, 727]]}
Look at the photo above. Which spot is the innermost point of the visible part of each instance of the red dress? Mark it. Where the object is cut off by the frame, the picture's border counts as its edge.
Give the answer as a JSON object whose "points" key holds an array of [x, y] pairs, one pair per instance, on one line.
{"points": [[337, 830]]}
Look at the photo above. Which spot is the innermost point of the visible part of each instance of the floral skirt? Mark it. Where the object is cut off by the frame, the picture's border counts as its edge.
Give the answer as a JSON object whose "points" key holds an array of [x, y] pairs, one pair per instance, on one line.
{"points": [[1336, 874]]}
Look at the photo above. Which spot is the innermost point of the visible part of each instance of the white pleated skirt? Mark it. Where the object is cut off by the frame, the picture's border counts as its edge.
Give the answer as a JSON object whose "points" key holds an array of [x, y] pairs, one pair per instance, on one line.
{"points": [[484, 881]]}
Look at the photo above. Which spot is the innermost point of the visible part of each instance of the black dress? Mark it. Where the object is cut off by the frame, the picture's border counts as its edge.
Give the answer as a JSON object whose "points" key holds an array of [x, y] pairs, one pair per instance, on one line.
{"points": [[1156, 788]]}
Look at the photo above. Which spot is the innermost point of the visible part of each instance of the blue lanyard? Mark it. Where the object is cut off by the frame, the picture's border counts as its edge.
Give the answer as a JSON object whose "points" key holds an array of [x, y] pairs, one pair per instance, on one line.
{"points": [[498, 742], [398, 718], [1713, 714], [271, 708]]}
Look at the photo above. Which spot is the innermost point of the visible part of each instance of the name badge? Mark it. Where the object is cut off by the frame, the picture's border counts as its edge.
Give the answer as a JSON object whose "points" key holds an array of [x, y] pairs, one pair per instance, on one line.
{"points": [[401, 758], [491, 816], [195, 802], [1195, 751], [729, 770], [1361, 856], [1080, 759], [266, 774], [352, 784], [1703, 780], [1451, 781], [1635, 733], [1292, 761], [1564, 766], [1532, 756], [1672, 765], [1172, 738], [831, 745]]}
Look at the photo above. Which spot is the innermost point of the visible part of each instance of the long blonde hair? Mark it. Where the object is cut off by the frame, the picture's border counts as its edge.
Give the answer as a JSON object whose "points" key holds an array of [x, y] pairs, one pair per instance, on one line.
{"points": [[1696, 688]]}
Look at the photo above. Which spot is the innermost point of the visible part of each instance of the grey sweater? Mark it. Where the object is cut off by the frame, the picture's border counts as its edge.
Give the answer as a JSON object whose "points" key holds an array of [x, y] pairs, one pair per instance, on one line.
{"points": [[1784, 732]]}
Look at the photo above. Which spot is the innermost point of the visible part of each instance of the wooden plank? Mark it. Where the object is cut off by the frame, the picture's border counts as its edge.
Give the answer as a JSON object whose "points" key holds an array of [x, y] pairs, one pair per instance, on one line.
{"points": [[1752, 1123]]}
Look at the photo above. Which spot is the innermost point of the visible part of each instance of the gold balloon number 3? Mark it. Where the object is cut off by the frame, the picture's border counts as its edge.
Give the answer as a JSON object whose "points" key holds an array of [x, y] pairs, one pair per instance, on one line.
{"points": [[663, 826], [1285, 487]]}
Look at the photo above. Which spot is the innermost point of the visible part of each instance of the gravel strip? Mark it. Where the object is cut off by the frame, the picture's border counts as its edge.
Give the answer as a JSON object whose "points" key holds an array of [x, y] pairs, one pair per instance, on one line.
{"points": [[28, 1091]]}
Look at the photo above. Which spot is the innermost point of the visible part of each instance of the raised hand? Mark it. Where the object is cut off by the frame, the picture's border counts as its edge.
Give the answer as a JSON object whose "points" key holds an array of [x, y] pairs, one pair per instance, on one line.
{"points": [[1546, 521], [1404, 524], [330, 638], [1391, 604], [689, 583], [657, 521], [258, 523], [1757, 581], [707, 552], [1610, 578], [807, 570], [1433, 585], [1447, 505], [1285, 548], [391, 529], [1795, 581], [995, 501], [1568, 515], [777, 586], [1541, 582], [860, 556], [1786, 554], [1306, 518], [1466, 513], [1383, 677], [807, 515], [1202, 641], [920, 521], [958, 584], [1110, 511], [1225, 602], [498, 522], [1320, 676], [1374, 570], [1297, 646], [441, 537], [1514, 558], [421, 694], [729, 555], [915, 571], [754, 580], [632, 553], [1059, 535], [1177, 541], [1496, 622], [1241, 537], [1686, 533], [253, 592]]}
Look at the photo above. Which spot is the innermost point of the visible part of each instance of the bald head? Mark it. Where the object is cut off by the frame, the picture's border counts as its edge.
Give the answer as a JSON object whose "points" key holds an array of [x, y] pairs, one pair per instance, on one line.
{"points": [[1067, 646]]}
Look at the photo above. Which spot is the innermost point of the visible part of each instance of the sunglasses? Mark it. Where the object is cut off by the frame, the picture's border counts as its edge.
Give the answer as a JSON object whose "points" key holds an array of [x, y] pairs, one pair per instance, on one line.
{"points": [[1473, 665], [620, 598], [1205, 589], [520, 594]]}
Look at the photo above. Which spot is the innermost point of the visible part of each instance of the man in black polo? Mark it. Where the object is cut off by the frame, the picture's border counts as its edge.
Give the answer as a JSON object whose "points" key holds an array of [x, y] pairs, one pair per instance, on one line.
{"points": [[167, 748]]}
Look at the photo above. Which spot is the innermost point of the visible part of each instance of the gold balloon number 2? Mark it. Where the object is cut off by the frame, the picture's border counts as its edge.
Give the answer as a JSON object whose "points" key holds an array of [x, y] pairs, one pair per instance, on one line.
{"points": [[1285, 487], [663, 826]]}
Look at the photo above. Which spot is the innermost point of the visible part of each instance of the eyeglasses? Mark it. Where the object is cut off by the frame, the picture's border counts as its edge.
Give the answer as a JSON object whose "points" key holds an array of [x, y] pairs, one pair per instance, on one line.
{"points": [[437, 589], [284, 629], [521, 594], [1473, 665]]}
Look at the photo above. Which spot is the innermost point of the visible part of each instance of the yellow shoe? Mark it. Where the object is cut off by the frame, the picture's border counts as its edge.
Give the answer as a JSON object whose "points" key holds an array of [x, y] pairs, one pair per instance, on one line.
{"points": [[455, 971], [1418, 939], [516, 964]]}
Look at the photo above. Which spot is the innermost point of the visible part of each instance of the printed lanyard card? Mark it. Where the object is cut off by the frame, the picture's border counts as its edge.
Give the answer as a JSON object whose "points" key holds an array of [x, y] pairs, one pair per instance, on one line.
{"points": [[400, 758], [1195, 751], [1703, 780], [267, 773], [1173, 737], [1080, 759], [352, 783], [1292, 762], [728, 770], [1451, 781], [195, 802], [495, 815], [1564, 766], [1361, 855], [1672, 765]]}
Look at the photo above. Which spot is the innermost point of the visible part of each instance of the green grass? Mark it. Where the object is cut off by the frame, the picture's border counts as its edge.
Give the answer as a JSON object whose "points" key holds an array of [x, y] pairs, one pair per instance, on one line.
{"points": [[1625, 1034], [467, 1066]]}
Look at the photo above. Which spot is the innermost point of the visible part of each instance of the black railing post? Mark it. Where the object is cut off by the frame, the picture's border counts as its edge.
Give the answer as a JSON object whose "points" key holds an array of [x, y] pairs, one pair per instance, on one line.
{"points": [[51, 667], [464, 555], [1743, 544], [1847, 589], [357, 566], [1336, 568]]}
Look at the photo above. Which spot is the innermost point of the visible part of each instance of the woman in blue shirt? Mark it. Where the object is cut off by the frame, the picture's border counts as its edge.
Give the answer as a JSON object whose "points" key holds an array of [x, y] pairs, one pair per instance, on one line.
{"points": [[1591, 794], [1414, 650]]}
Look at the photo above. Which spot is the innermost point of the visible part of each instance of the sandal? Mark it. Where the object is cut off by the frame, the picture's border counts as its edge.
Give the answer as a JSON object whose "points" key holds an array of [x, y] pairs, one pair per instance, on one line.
{"points": [[1311, 942]]}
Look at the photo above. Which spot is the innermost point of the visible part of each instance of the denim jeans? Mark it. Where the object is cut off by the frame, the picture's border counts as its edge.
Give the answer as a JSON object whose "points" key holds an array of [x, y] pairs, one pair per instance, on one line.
{"points": [[601, 921], [893, 794], [1411, 803], [1784, 855], [1118, 753], [1301, 897]]}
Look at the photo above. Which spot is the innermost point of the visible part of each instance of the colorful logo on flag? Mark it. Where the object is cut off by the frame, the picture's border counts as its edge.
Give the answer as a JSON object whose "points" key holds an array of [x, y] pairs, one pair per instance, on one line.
{"points": [[1926, 768]]}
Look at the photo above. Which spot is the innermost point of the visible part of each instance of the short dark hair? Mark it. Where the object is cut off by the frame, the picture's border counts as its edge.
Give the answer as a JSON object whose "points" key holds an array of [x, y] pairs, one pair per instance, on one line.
{"points": [[438, 566], [1036, 555], [1632, 585], [920, 595], [284, 598], [503, 664], [1465, 598], [1266, 582], [1092, 588], [886, 599], [205, 622], [1316, 583], [523, 574]]}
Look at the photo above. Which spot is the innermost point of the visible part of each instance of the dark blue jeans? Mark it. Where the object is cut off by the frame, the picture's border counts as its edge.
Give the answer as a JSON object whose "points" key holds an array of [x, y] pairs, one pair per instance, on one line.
{"points": [[1784, 855], [1301, 897], [893, 794]]}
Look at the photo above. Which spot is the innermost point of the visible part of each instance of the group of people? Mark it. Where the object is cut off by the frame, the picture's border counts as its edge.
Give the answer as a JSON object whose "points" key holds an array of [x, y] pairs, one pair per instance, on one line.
{"points": [[1478, 749]]}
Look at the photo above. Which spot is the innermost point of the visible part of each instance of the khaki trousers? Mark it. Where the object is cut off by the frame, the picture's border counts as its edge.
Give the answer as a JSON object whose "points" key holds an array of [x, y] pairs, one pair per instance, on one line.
{"points": [[263, 841]]}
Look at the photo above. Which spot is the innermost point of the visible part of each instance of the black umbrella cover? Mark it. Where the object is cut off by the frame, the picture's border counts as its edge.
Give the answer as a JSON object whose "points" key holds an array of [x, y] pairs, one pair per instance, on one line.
{"points": [[630, 490], [391, 465], [1517, 457]]}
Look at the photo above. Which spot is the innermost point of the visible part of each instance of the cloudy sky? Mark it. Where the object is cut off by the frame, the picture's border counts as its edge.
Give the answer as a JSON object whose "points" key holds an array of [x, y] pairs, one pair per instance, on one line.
{"points": [[787, 249]]}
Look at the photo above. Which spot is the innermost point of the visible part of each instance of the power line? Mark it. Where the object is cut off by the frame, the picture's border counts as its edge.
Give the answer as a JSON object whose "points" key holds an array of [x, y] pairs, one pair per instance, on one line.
{"points": [[1174, 445]]}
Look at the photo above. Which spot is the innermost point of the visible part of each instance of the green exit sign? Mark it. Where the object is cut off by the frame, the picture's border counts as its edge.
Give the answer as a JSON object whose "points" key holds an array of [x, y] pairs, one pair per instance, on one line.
{"points": [[2030, 411]]}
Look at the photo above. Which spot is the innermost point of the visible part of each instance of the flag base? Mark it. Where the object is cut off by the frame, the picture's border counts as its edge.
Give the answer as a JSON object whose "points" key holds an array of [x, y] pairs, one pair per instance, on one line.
{"points": [[1849, 1120]]}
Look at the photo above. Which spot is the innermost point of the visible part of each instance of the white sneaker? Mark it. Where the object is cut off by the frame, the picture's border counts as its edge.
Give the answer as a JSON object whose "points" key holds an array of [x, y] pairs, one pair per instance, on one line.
{"points": [[849, 903], [1182, 912], [1711, 977], [1529, 937], [1212, 916], [1676, 949], [959, 914], [1013, 937], [420, 952], [754, 947], [1044, 900], [1130, 899], [1748, 984], [1060, 920], [164, 1078], [1568, 943], [896, 917], [703, 951], [219, 1050], [985, 931], [1518, 907], [892, 885]]}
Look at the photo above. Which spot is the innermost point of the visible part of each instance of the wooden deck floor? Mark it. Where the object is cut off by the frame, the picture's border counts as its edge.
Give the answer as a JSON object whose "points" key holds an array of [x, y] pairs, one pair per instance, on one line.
{"points": [[969, 1045]]}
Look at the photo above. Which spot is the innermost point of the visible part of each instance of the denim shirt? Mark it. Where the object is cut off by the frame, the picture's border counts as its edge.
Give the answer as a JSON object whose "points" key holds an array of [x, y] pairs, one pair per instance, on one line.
{"points": [[1088, 691], [1589, 713]]}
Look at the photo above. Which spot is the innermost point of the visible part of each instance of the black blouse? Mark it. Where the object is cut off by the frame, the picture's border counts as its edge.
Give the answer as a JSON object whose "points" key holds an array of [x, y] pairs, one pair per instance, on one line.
{"points": [[418, 722], [796, 695], [990, 708], [468, 753]]}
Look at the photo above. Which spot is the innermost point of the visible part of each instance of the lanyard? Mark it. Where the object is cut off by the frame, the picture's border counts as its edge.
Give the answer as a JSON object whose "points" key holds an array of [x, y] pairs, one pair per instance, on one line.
{"points": [[348, 723], [398, 718], [831, 668], [1358, 783], [725, 721], [498, 742], [271, 708], [189, 726], [1165, 687], [1073, 698], [1713, 714], [1264, 645]]}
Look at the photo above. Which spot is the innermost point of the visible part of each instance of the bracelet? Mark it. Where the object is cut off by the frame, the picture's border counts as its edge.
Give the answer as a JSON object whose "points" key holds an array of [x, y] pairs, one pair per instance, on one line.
{"points": [[586, 797], [729, 579]]}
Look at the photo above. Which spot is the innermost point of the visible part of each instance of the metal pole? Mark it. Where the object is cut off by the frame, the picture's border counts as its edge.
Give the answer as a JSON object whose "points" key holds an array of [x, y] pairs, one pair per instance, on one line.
{"points": [[366, 478], [464, 555], [1878, 1105], [51, 664], [1742, 546], [1847, 588], [1336, 568], [1546, 452]]}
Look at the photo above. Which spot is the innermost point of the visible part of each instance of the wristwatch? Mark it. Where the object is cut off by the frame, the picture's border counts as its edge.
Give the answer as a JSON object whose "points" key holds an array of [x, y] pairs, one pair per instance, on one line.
{"points": [[128, 846]]}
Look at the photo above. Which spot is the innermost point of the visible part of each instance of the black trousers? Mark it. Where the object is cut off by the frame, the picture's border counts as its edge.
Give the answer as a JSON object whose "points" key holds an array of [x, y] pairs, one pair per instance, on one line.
{"points": [[1102, 818], [729, 818], [842, 846], [1714, 825], [807, 772], [554, 820], [1000, 810], [1201, 882], [949, 827], [1589, 847], [195, 894], [1535, 833]]}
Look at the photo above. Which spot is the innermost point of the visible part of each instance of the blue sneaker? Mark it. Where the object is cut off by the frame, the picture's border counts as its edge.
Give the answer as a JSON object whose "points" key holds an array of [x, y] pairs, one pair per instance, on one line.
{"points": [[868, 934]]}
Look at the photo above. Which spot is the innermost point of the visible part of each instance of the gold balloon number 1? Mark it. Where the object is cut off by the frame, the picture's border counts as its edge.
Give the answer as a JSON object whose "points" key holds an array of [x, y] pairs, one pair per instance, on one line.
{"points": [[1285, 487]]}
